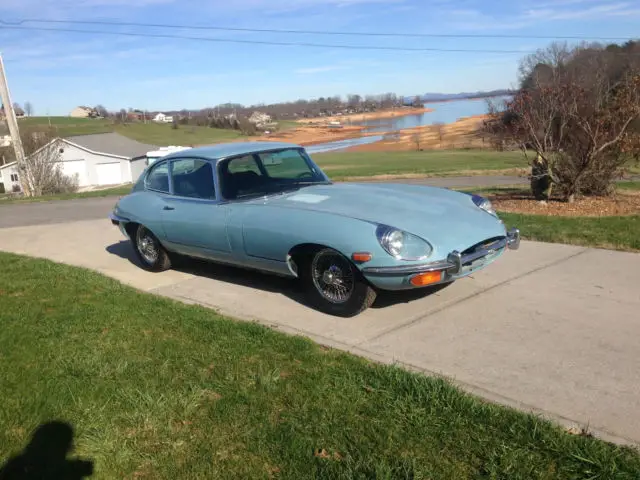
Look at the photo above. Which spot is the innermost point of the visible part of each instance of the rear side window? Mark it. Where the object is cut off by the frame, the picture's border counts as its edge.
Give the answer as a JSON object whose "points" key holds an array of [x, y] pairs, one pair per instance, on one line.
{"points": [[193, 178], [158, 178]]}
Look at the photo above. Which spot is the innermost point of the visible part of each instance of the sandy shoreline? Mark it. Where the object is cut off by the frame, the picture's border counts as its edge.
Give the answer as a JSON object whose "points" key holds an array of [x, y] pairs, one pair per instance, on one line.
{"points": [[361, 117], [459, 134]]}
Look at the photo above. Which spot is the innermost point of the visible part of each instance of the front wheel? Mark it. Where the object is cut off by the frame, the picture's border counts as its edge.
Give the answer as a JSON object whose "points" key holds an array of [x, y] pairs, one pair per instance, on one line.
{"points": [[150, 251], [335, 286]]}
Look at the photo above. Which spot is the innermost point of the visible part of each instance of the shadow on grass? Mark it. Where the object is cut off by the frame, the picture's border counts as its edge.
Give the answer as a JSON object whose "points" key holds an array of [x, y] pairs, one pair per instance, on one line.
{"points": [[45, 457], [289, 287]]}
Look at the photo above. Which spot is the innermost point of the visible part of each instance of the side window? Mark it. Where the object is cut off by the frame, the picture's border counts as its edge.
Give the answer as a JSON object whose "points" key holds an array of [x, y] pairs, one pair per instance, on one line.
{"points": [[192, 177], [158, 178], [244, 164], [241, 176]]}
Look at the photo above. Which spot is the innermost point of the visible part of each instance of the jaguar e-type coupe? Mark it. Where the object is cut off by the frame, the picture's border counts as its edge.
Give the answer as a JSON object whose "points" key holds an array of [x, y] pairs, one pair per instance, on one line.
{"points": [[267, 206]]}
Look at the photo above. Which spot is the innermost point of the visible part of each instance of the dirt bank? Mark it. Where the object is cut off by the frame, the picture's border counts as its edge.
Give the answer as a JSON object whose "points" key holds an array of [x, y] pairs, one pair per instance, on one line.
{"points": [[459, 134], [313, 135], [361, 117]]}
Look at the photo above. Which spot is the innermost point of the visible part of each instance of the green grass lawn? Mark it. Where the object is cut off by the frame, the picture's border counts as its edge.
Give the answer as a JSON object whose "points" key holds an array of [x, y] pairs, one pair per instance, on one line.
{"points": [[340, 165], [633, 185], [107, 192], [151, 133], [157, 389], [68, 126], [185, 135], [618, 233]]}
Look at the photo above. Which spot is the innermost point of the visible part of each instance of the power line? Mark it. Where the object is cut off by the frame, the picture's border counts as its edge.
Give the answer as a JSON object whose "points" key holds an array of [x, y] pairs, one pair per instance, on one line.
{"points": [[309, 32], [264, 42]]}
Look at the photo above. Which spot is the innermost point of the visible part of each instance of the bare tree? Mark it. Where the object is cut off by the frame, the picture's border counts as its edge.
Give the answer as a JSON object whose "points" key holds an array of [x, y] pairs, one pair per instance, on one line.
{"points": [[101, 111], [573, 120], [416, 138], [28, 108], [41, 170], [440, 127]]}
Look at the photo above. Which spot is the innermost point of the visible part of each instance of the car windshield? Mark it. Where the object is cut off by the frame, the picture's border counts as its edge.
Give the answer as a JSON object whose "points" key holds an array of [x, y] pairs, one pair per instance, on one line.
{"points": [[267, 173]]}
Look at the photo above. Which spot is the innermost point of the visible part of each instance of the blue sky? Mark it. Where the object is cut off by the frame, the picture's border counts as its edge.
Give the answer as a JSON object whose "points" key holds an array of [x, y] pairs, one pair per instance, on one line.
{"points": [[57, 71]]}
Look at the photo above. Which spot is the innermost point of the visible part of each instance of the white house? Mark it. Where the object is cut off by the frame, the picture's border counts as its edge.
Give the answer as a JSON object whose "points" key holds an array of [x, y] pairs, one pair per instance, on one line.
{"points": [[9, 176], [83, 112], [162, 118], [100, 159]]}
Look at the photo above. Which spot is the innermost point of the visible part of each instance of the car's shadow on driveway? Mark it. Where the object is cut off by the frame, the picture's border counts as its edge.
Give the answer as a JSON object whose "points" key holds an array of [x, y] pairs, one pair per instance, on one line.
{"points": [[288, 287]]}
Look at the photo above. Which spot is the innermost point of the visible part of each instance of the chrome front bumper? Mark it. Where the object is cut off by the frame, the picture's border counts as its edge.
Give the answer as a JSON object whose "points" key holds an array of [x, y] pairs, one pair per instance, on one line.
{"points": [[455, 263]]}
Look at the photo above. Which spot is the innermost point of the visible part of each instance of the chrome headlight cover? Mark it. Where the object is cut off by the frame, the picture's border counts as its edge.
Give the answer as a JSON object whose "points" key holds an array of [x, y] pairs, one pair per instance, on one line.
{"points": [[402, 245], [484, 204]]}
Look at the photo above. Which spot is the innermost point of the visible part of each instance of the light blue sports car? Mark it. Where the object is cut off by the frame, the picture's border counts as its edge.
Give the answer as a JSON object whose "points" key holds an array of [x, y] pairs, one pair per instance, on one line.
{"points": [[268, 206]]}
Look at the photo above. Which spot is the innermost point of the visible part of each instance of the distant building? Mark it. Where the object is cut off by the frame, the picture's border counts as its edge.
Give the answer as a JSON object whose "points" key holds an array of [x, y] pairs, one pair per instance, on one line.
{"points": [[162, 118], [18, 111], [83, 112]]}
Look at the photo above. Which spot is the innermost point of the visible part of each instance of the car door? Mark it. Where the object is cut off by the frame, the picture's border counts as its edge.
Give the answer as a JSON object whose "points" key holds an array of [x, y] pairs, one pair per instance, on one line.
{"points": [[194, 220]]}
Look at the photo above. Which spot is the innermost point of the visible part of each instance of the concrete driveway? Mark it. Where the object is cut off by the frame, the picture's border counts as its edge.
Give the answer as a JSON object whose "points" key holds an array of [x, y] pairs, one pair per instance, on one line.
{"points": [[549, 328]]}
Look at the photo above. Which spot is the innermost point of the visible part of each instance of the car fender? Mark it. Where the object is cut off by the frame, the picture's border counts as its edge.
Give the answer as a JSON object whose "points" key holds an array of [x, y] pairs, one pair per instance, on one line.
{"points": [[272, 233], [144, 208]]}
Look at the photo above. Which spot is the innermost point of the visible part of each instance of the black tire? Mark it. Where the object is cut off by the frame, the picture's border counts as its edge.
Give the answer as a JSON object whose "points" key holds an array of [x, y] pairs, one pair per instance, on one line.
{"points": [[149, 251], [334, 285]]}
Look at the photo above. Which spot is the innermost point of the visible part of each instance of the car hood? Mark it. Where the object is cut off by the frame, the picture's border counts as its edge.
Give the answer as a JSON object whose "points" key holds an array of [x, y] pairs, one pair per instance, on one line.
{"points": [[447, 219]]}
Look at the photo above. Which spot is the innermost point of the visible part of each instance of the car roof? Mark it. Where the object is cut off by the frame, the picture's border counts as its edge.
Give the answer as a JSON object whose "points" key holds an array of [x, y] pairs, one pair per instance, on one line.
{"points": [[223, 150]]}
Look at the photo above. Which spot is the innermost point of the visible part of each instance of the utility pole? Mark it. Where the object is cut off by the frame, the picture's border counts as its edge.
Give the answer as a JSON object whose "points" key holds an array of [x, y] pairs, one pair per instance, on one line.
{"points": [[12, 122]]}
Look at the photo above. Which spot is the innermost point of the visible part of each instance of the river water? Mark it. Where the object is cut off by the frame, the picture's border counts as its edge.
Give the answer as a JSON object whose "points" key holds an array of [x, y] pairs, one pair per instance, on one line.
{"points": [[445, 112], [342, 144]]}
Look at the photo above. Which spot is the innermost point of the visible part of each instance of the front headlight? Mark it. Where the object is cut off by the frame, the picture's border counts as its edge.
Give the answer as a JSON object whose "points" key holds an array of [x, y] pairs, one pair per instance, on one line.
{"points": [[484, 204], [403, 245]]}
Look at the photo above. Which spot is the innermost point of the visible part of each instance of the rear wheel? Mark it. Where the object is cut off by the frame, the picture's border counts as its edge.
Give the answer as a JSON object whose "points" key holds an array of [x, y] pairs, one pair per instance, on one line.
{"points": [[334, 285], [150, 251]]}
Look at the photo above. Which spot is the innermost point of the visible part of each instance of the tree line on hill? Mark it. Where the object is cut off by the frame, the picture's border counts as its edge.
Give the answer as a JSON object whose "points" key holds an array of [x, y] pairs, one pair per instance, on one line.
{"points": [[236, 116], [576, 117]]}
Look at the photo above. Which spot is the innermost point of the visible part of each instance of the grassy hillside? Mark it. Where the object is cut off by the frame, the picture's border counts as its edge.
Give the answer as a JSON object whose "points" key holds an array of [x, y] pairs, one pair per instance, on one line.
{"points": [[163, 134], [341, 165], [152, 133], [68, 126]]}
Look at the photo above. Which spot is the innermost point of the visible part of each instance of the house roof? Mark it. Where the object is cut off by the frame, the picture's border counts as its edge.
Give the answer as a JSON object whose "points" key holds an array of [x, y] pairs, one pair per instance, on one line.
{"points": [[111, 144], [6, 165]]}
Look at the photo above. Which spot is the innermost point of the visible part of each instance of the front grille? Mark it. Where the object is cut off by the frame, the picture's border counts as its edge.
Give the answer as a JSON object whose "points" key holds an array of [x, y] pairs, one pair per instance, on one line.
{"points": [[479, 261], [482, 244]]}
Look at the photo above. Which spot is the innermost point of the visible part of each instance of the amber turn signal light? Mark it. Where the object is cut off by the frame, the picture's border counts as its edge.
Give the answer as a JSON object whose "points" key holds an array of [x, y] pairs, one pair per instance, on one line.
{"points": [[361, 257], [426, 278]]}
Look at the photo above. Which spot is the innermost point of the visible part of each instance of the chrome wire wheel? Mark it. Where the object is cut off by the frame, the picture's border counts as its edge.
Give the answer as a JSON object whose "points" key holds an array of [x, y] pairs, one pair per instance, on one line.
{"points": [[333, 276], [147, 246]]}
